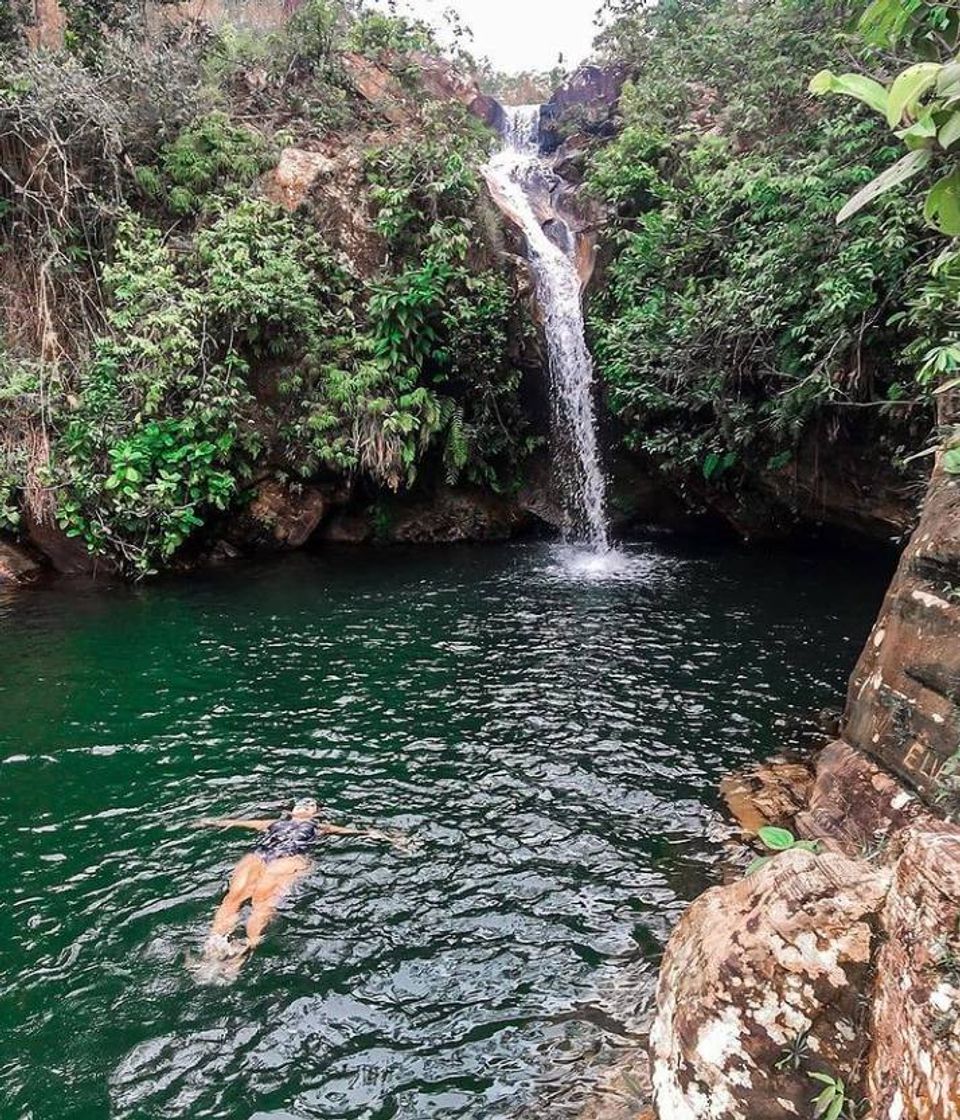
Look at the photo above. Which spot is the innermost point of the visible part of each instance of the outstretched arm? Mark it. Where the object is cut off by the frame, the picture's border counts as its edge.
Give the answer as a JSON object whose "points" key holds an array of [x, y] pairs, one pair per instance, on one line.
{"points": [[234, 822], [368, 833]]}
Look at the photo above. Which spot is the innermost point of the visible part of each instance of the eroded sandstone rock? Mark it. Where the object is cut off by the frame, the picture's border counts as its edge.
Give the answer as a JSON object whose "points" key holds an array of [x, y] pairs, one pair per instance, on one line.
{"points": [[584, 103], [776, 960], [903, 706], [331, 187], [913, 1070], [856, 807]]}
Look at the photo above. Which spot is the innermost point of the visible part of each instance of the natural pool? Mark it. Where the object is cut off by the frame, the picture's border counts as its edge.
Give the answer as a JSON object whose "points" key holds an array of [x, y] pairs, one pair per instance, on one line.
{"points": [[553, 742]]}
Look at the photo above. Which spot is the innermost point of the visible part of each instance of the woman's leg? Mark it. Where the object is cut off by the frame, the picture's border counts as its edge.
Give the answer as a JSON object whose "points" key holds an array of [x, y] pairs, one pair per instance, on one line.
{"points": [[244, 881], [280, 876]]}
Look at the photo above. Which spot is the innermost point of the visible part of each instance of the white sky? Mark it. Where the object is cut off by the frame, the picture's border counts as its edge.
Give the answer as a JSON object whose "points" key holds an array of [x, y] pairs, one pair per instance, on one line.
{"points": [[519, 34]]}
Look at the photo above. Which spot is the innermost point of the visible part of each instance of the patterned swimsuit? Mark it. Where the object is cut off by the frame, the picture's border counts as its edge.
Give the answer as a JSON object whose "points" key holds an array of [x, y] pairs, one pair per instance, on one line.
{"points": [[287, 838]]}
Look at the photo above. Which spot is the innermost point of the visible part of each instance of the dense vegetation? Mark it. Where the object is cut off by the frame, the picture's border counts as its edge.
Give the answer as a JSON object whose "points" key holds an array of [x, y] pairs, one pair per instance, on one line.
{"points": [[737, 317], [172, 333]]}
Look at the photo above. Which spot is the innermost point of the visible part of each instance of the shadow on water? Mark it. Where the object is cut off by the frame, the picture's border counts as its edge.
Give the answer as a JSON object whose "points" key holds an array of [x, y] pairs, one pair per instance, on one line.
{"points": [[552, 741]]}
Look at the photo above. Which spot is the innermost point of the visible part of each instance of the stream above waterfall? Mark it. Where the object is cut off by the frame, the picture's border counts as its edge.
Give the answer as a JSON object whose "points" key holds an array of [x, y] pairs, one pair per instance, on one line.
{"points": [[551, 744]]}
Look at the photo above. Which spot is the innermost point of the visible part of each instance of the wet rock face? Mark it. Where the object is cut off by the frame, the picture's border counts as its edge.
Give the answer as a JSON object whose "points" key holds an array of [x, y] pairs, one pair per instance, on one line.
{"points": [[448, 516], [770, 966], [903, 705]]}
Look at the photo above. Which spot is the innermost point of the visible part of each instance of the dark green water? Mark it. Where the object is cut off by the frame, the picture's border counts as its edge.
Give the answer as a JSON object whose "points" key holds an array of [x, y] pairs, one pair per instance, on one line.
{"points": [[553, 744]]}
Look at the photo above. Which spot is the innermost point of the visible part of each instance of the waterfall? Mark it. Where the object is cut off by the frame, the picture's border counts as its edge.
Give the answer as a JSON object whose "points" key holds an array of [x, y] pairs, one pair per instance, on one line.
{"points": [[514, 174]]}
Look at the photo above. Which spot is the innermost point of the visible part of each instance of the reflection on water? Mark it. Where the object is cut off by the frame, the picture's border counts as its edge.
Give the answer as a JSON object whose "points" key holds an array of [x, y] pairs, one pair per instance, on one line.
{"points": [[551, 739]]}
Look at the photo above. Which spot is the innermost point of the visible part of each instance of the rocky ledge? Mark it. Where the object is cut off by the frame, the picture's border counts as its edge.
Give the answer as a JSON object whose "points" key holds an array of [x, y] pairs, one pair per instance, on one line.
{"points": [[833, 975]]}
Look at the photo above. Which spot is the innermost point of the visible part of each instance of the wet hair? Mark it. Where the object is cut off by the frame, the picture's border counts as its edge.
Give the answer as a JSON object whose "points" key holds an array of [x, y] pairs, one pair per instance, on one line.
{"points": [[306, 804]]}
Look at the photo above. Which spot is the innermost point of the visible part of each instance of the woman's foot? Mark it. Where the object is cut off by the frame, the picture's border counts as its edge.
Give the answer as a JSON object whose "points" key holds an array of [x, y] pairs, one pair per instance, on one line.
{"points": [[219, 947]]}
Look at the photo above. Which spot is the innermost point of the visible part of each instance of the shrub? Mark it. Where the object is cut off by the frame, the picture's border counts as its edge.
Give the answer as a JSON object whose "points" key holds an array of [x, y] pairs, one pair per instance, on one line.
{"points": [[735, 312]]}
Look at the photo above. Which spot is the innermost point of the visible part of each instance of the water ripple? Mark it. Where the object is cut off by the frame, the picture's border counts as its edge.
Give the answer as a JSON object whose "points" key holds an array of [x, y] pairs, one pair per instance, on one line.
{"points": [[552, 741]]}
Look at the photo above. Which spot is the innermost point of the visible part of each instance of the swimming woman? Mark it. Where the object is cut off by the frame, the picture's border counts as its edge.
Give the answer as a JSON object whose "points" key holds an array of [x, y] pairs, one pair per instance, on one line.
{"points": [[278, 860]]}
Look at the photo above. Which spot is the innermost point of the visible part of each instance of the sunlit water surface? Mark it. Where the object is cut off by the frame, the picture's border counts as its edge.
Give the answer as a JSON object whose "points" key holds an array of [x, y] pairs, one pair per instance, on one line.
{"points": [[551, 736]]}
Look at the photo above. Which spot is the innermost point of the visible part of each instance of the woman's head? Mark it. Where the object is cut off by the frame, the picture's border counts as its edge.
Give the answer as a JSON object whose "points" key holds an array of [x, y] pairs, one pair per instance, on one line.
{"points": [[304, 808]]}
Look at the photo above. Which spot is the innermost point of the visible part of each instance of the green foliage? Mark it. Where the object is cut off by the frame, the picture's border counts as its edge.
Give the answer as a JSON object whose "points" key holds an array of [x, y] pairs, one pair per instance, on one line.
{"points": [[735, 313], [11, 32], [375, 33], [922, 105], [151, 435], [833, 1101], [779, 840], [442, 322], [919, 106], [212, 155], [193, 333]]}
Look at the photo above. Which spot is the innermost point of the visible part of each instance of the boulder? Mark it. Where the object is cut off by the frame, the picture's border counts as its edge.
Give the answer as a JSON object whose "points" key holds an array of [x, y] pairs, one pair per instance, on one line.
{"points": [[330, 185], [67, 555], [17, 564], [768, 968], [455, 515], [379, 87], [585, 103], [772, 792], [291, 181], [282, 515]]}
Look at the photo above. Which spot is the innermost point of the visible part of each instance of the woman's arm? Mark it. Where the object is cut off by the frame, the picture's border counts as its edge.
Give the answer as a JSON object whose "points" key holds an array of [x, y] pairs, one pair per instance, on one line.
{"points": [[234, 822], [396, 839]]}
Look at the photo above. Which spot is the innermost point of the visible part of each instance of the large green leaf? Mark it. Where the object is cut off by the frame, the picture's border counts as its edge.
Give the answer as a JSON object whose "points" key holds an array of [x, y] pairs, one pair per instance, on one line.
{"points": [[948, 80], [949, 131], [903, 169], [951, 460], [884, 20], [908, 88], [851, 85], [776, 839], [942, 206]]}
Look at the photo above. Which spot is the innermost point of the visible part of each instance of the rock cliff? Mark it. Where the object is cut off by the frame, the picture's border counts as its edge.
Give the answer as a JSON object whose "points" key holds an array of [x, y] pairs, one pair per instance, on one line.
{"points": [[842, 965]]}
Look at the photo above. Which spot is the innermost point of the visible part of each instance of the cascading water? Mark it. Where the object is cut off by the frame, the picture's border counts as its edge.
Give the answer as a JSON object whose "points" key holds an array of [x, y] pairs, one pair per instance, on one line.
{"points": [[514, 174]]}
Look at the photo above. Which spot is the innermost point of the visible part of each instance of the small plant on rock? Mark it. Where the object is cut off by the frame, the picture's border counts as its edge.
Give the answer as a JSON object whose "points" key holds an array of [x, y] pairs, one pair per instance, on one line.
{"points": [[834, 1101], [780, 840], [795, 1052]]}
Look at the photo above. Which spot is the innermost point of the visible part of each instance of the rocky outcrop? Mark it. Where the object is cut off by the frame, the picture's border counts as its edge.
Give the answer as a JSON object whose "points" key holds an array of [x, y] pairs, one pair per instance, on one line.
{"points": [[843, 963], [68, 556], [448, 516], [854, 950], [913, 1069], [756, 972], [17, 564], [585, 104], [283, 515], [330, 185], [904, 701], [438, 79]]}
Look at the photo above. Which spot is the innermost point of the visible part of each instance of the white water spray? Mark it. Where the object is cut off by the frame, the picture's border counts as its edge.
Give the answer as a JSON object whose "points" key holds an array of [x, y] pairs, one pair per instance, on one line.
{"points": [[513, 174]]}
